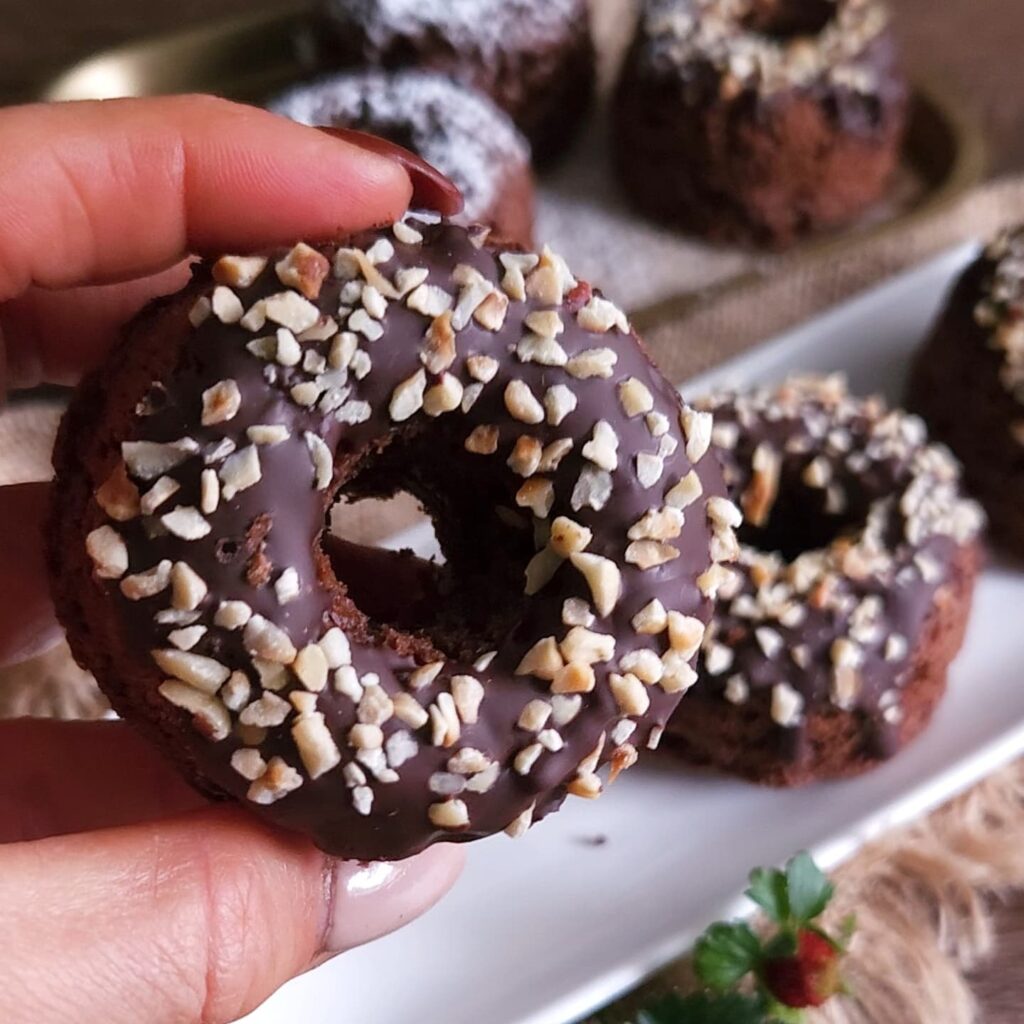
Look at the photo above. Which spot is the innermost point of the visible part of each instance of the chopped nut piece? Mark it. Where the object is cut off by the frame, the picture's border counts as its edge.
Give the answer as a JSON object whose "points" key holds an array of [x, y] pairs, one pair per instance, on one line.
{"points": [[240, 471], [444, 721], [305, 393], [406, 233], [303, 268], [602, 576], [527, 758], [685, 633], [400, 747], [635, 397], [759, 497], [163, 489], [603, 447], [644, 663], [586, 785], [490, 314], [310, 666], [323, 461], [648, 554], [365, 736], [651, 619], [697, 428], [468, 693], [482, 368], [483, 440], [118, 496], [232, 614], [525, 457], [576, 677], [249, 763], [221, 402], [564, 708], [205, 674], [407, 398], [787, 705], [200, 310], [290, 310], [238, 271], [452, 814], [424, 675], [534, 715], [286, 588], [519, 825], [535, 348], [545, 322], [444, 396], [576, 612], [559, 401], [147, 584], [649, 468], [226, 306], [685, 492], [209, 491], [551, 456], [409, 710], [723, 513], [587, 646], [600, 315], [630, 693], [522, 404], [542, 660], [663, 523], [336, 648], [438, 352], [186, 522], [315, 744], [375, 706], [677, 674], [210, 716], [149, 459], [275, 783], [592, 490], [429, 300], [538, 495], [593, 362], [265, 640], [362, 799], [517, 265], [188, 587], [568, 536]]}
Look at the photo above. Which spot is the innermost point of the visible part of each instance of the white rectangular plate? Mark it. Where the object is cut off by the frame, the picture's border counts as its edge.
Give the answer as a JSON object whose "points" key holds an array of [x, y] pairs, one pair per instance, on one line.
{"points": [[546, 929]]}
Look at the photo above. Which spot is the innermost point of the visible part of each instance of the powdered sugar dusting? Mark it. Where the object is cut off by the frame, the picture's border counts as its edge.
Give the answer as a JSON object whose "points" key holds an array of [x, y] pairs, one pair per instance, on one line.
{"points": [[456, 129]]}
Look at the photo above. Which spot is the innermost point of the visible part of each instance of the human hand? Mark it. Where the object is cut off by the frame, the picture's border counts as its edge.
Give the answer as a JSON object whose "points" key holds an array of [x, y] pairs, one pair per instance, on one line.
{"points": [[124, 896]]}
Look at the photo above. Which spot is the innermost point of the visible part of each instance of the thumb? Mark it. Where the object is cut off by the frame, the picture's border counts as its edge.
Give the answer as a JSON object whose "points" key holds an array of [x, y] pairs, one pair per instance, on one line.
{"points": [[197, 918]]}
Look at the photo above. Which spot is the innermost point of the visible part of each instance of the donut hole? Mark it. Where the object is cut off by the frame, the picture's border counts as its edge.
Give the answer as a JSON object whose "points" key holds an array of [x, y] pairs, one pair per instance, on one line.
{"points": [[464, 590], [788, 19], [799, 523]]}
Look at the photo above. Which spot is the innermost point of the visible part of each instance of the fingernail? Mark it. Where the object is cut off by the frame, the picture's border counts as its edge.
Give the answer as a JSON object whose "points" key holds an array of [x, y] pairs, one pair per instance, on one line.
{"points": [[431, 190], [369, 900]]}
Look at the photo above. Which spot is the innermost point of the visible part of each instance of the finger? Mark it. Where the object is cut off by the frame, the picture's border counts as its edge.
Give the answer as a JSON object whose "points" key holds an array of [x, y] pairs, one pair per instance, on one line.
{"points": [[64, 777], [94, 192], [85, 321], [28, 625], [198, 918]]}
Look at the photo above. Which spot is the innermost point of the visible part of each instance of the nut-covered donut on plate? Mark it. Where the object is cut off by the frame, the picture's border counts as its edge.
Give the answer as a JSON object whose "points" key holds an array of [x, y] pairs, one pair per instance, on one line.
{"points": [[759, 120], [534, 58], [581, 515], [456, 129], [828, 650], [968, 382]]}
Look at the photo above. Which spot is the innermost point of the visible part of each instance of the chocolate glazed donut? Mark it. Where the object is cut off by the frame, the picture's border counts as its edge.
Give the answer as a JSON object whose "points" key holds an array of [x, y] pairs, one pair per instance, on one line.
{"points": [[759, 121], [582, 519], [829, 648]]}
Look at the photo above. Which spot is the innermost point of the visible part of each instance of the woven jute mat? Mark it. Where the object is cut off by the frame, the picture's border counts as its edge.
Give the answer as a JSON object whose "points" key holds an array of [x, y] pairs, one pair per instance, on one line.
{"points": [[922, 894]]}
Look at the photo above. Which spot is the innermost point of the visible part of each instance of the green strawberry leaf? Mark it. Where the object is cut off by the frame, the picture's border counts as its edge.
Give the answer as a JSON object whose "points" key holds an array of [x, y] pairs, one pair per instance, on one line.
{"points": [[808, 889], [702, 1008], [725, 953], [768, 889]]}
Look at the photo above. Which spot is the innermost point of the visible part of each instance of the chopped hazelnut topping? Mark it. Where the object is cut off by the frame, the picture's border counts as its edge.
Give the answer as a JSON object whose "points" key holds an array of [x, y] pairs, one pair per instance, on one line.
{"points": [[592, 490], [697, 428], [685, 633], [108, 552], [238, 271], [232, 615], [407, 398], [147, 460], [315, 744], [147, 584], [600, 315], [323, 461], [226, 306], [602, 449], [586, 785], [221, 402], [568, 536], [559, 401], [527, 758], [685, 492], [630, 693], [584, 645], [490, 314], [643, 663], [522, 404], [593, 362], [787, 705], [249, 763], [635, 397], [602, 576], [188, 589], [275, 783], [542, 660], [576, 677], [538, 495], [429, 300], [525, 457], [303, 268], [482, 368], [310, 666], [240, 471], [203, 673], [519, 825], [265, 640], [468, 693], [540, 570], [118, 496], [651, 619], [424, 675], [451, 814], [444, 396], [535, 348], [649, 469], [409, 710], [552, 454], [534, 715], [664, 523], [438, 351], [290, 310], [648, 554], [483, 440], [209, 714], [209, 491]]}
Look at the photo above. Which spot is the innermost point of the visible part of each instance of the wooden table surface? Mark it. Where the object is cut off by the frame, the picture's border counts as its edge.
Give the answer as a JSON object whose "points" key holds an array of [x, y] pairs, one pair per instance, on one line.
{"points": [[972, 45]]}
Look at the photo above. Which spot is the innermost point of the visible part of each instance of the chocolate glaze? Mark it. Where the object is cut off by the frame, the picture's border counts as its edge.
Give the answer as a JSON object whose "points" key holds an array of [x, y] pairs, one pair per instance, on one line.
{"points": [[894, 497], [114, 636]]}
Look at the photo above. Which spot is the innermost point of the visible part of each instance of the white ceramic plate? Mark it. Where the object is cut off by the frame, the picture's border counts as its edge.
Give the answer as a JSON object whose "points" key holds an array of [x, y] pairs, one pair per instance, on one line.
{"points": [[548, 928]]}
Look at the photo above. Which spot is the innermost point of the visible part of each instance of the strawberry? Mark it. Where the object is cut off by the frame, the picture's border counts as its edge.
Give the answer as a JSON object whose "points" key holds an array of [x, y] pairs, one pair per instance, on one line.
{"points": [[808, 977]]}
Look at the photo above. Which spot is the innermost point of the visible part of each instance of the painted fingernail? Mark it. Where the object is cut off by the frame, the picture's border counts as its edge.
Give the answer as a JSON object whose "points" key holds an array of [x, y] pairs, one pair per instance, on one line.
{"points": [[369, 900], [431, 190]]}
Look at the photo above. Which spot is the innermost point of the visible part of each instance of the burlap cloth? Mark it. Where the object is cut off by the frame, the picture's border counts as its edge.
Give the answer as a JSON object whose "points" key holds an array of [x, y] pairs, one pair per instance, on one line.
{"points": [[922, 894]]}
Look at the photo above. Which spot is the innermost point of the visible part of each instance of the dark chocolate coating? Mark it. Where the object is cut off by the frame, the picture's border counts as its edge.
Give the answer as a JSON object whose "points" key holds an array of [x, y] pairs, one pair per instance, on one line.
{"points": [[966, 384], [757, 137], [457, 130], [277, 523], [840, 575], [534, 59]]}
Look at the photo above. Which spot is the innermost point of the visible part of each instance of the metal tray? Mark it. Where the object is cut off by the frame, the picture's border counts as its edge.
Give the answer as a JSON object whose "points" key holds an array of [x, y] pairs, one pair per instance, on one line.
{"points": [[251, 57]]}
